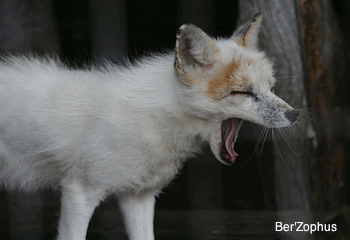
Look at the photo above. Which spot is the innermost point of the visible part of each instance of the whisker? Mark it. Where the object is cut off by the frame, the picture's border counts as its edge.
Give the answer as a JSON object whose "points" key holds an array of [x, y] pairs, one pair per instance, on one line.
{"points": [[300, 126], [260, 138], [290, 128], [289, 142], [266, 129], [311, 115], [262, 134], [275, 144]]}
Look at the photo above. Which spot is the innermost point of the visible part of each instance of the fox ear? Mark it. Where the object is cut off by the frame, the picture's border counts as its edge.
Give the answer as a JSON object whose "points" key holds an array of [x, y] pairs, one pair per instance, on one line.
{"points": [[247, 34], [195, 50]]}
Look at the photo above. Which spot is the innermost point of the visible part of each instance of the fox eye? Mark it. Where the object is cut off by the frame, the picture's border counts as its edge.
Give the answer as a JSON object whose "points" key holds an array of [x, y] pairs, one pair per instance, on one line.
{"points": [[240, 93], [250, 94], [273, 89], [244, 91]]}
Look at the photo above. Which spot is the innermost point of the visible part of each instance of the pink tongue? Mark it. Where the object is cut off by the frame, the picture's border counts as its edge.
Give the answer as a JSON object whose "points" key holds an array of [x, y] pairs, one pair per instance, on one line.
{"points": [[229, 140]]}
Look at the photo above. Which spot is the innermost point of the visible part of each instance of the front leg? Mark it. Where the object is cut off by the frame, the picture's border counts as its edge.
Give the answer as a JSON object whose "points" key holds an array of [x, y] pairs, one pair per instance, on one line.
{"points": [[138, 212], [78, 203]]}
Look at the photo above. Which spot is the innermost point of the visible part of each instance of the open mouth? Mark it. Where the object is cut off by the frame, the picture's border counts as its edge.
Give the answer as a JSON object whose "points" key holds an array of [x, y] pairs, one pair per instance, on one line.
{"points": [[229, 132]]}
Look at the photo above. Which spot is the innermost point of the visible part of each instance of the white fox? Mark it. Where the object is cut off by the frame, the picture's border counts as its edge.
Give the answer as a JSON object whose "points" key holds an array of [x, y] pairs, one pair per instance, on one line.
{"points": [[126, 131]]}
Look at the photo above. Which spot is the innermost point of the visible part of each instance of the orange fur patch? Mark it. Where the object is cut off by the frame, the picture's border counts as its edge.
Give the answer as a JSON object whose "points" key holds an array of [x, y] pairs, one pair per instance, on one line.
{"points": [[222, 82]]}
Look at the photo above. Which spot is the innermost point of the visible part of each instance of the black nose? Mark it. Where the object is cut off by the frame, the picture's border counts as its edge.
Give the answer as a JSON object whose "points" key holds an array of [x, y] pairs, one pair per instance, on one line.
{"points": [[292, 115]]}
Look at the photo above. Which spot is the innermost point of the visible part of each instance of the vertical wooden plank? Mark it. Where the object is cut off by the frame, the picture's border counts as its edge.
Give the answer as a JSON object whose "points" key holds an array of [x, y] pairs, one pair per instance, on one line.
{"points": [[280, 39], [324, 62]]}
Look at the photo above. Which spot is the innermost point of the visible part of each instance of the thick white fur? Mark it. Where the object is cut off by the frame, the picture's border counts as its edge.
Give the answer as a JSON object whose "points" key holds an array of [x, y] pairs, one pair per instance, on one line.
{"points": [[118, 130], [123, 131]]}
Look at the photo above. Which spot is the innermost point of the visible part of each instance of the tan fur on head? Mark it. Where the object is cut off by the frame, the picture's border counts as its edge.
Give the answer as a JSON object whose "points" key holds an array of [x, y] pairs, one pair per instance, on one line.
{"points": [[197, 55], [221, 83]]}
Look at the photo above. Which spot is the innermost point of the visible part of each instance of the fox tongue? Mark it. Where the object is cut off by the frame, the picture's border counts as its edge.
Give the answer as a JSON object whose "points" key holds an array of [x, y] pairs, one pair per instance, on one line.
{"points": [[228, 134]]}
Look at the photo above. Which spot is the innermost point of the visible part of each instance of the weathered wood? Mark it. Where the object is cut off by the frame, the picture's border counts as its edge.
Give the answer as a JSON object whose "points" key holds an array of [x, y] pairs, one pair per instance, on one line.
{"points": [[324, 68], [280, 38]]}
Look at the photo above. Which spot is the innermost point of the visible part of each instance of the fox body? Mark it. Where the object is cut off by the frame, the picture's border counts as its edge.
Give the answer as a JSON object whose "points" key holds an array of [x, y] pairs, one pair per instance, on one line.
{"points": [[128, 130]]}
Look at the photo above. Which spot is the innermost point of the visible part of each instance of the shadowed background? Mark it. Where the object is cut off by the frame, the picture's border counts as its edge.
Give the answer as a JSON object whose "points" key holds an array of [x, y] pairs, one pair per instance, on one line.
{"points": [[307, 171]]}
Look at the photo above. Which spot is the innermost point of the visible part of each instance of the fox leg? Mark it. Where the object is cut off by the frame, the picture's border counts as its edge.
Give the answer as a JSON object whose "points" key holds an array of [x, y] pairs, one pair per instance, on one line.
{"points": [[77, 206], [138, 212]]}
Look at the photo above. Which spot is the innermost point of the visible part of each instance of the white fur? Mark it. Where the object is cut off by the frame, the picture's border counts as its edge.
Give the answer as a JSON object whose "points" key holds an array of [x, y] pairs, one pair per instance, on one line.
{"points": [[118, 130], [94, 133]]}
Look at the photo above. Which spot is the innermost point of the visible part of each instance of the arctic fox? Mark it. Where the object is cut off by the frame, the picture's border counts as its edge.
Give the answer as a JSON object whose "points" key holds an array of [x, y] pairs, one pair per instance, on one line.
{"points": [[126, 131]]}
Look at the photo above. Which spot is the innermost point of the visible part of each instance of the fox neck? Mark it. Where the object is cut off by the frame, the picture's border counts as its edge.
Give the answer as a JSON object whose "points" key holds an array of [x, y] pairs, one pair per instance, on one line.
{"points": [[169, 102]]}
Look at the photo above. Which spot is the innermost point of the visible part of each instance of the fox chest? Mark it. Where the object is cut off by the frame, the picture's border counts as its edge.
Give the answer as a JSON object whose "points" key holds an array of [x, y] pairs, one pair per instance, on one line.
{"points": [[155, 176], [160, 157]]}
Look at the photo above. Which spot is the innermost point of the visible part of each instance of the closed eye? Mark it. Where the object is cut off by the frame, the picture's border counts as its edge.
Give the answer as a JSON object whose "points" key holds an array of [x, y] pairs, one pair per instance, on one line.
{"points": [[251, 94], [241, 93]]}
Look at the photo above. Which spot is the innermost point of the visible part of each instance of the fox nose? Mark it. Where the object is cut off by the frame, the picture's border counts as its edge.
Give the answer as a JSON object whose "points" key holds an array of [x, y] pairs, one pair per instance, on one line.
{"points": [[292, 115]]}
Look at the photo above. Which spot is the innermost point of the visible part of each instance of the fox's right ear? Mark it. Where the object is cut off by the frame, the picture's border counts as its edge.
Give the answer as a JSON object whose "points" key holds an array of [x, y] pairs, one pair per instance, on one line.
{"points": [[195, 51], [247, 34]]}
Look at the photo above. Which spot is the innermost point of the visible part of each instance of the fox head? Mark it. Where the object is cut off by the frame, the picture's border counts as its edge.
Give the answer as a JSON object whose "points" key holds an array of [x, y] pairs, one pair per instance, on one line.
{"points": [[228, 81]]}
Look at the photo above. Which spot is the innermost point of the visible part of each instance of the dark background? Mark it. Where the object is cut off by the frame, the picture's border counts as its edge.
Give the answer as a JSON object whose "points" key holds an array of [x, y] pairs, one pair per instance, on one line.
{"points": [[150, 26]]}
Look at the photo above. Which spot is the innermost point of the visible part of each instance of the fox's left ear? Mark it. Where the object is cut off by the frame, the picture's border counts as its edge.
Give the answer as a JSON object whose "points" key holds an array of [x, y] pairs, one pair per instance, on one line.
{"points": [[247, 34], [195, 52]]}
